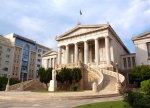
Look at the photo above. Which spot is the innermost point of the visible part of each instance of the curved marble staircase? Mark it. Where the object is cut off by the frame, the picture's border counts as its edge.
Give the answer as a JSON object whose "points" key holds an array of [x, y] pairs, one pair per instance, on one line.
{"points": [[107, 81], [34, 84]]}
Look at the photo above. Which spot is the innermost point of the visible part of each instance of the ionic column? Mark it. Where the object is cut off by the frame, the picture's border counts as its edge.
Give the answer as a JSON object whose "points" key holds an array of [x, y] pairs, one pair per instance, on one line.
{"points": [[96, 51], [50, 62], [59, 55], [85, 52], [107, 47], [67, 54], [76, 52], [53, 63]]}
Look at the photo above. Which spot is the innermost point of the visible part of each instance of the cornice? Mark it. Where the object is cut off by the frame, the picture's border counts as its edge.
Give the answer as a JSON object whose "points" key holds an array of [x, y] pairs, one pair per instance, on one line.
{"points": [[62, 38], [141, 36]]}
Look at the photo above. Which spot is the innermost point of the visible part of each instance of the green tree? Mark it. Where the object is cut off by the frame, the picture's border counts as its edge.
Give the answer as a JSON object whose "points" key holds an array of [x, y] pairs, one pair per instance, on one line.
{"points": [[76, 75], [3, 82], [67, 76], [145, 86], [140, 73], [45, 75]]}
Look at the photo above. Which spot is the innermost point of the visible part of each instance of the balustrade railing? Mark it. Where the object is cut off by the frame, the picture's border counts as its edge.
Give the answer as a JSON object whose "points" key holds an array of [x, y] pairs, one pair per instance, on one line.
{"points": [[25, 84], [97, 72]]}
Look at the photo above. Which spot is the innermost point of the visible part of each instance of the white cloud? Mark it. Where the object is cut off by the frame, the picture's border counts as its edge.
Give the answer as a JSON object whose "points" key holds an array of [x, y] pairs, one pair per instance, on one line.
{"points": [[43, 20]]}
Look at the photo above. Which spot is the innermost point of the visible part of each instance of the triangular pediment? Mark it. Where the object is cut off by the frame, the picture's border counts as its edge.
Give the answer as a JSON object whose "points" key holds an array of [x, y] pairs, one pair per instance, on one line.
{"points": [[142, 36], [81, 29], [50, 53]]}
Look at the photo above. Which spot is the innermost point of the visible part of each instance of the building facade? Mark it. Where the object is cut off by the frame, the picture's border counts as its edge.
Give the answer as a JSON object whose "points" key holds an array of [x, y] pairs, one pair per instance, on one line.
{"points": [[25, 57], [49, 59], [91, 44], [6, 56], [95, 49], [142, 48]]}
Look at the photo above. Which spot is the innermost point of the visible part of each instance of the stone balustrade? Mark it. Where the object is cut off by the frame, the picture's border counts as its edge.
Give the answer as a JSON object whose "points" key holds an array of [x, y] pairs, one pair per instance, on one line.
{"points": [[96, 72], [114, 74], [69, 65], [25, 84]]}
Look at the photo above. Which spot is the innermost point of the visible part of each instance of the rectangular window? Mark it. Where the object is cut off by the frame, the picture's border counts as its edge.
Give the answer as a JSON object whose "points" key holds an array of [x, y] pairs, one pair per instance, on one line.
{"points": [[39, 50], [0, 47], [5, 69], [44, 52], [39, 55], [133, 61], [148, 49], [39, 60], [6, 62], [7, 56], [129, 62], [8, 49], [38, 65], [125, 62]]}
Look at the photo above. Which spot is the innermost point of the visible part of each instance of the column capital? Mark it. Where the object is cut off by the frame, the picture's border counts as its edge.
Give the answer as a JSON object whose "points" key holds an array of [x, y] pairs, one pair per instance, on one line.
{"points": [[96, 38], [85, 40], [107, 37], [75, 43]]}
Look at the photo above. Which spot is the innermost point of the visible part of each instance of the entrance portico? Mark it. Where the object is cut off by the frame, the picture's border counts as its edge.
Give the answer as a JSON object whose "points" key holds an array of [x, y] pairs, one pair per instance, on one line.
{"points": [[95, 51]]}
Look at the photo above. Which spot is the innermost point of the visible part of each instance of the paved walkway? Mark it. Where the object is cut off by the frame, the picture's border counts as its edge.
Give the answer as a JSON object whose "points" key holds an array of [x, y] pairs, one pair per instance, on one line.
{"points": [[52, 100]]}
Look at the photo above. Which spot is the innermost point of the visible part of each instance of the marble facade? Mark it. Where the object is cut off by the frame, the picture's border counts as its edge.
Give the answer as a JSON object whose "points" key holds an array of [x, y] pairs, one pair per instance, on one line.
{"points": [[90, 44]]}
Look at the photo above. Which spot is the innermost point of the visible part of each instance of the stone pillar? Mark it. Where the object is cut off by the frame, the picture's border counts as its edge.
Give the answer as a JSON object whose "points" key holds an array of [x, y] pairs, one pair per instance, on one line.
{"points": [[85, 52], [96, 51], [107, 48], [50, 61], [53, 63], [67, 54], [76, 52], [118, 81], [90, 53], [59, 55]]}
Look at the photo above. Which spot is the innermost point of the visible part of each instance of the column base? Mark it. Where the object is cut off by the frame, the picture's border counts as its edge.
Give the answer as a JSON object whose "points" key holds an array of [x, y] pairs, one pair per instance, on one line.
{"points": [[53, 85]]}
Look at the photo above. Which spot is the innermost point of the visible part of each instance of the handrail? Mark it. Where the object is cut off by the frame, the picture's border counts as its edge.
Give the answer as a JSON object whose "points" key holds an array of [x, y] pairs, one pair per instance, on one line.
{"points": [[114, 74], [25, 84], [98, 72]]}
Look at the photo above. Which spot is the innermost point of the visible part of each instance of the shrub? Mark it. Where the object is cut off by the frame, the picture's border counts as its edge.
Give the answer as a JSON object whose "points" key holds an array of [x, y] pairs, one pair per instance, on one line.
{"points": [[3, 82], [137, 100], [74, 88], [140, 73], [145, 86]]}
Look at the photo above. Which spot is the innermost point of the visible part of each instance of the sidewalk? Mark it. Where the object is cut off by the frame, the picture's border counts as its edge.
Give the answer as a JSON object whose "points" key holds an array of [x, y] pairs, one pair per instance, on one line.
{"points": [[27, 99]]}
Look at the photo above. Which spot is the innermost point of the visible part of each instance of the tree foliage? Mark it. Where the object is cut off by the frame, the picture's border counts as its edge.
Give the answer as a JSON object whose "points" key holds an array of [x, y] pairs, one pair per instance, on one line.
{"points": [[45, 75], [69, 76], [4, 80], [145, 86], [140, 73]]}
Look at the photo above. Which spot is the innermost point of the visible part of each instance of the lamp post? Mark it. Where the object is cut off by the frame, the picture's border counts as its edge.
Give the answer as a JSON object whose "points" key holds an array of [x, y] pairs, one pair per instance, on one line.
{"points": [[7, 86], [118, 81]]}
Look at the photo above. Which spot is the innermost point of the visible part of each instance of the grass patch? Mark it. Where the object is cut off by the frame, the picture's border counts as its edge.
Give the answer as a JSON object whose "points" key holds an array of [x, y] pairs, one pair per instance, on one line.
{"points": [[111, 104]]}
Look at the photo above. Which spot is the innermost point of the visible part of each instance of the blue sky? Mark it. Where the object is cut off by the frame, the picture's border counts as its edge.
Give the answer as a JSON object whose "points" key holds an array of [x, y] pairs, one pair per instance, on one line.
{"points": [[43, 20]]}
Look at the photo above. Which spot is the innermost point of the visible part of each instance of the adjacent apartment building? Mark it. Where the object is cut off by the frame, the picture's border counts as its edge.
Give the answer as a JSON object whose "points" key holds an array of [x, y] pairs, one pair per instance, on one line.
{"points": [[26, 57], [6, 56]]}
